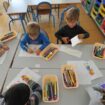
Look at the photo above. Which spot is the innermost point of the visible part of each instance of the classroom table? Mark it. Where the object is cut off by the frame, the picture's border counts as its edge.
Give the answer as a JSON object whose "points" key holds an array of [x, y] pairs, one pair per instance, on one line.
{"points": [[69, 96], [59, 59], [13, 44], [53, 2], [77, 96], [17, 8]]}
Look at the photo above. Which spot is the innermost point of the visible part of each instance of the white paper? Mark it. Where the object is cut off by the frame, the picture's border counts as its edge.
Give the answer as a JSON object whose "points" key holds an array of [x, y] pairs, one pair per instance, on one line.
{"points": [[27, 72], [83, 76], [3, 57], [70, 51], [95, 102], [97, 72], [23, 53], [94, 96], [83, 73], [75, 40]]}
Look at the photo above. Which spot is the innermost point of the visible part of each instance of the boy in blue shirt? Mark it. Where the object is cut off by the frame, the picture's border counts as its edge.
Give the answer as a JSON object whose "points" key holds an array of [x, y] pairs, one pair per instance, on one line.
{"points": [[34, 36]]}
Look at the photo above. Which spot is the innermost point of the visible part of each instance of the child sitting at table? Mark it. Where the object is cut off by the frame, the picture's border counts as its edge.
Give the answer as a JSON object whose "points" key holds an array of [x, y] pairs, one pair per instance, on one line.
{"points": [[34, 36], [22, 94], [72, 28]]}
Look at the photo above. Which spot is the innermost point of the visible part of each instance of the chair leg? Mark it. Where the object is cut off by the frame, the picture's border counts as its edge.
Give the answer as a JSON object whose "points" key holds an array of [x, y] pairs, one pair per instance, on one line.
{"points": [[58, 10], [23, 25], [53, 20], [27, 17], [10, 25], [25, 21], [34, 17], [49, 18]]}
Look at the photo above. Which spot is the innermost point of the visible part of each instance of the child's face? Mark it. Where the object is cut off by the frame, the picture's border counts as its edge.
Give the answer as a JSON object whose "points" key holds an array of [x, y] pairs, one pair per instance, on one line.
{"points": [[33, 36], [72, 24]]}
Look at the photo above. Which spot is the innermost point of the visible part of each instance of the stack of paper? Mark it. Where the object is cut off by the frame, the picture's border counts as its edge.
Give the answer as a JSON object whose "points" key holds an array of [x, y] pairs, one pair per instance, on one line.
{"points": [[26, 72], [83, 74], [70, 51], [75, 40]]}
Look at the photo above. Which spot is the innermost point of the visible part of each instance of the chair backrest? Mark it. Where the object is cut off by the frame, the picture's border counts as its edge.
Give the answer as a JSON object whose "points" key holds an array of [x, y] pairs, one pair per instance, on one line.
{"points": [[44, 8], [62, 22], [6, 5]]}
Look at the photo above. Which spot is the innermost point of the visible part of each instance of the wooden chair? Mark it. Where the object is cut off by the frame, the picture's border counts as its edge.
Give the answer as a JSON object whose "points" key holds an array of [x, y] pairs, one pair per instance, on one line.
{"points": [[44, 8]]}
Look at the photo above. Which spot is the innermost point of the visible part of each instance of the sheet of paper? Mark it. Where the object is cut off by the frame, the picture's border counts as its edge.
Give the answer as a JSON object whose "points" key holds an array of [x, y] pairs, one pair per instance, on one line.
{"points": [[83, 76], [70, 51], [81, 69], [97, 72], [3, 57], [94, 96], [95, 102], [75, 40], [23, 53], [25, 72]]}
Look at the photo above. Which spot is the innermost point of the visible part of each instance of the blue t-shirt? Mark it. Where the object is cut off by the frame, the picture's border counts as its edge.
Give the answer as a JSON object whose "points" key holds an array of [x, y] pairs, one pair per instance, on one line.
{"points": [[42, 39]]}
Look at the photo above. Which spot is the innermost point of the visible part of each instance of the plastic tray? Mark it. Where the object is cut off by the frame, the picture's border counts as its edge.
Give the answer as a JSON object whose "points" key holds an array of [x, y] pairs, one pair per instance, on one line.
{"points": [[69, 74], [50, 81]]}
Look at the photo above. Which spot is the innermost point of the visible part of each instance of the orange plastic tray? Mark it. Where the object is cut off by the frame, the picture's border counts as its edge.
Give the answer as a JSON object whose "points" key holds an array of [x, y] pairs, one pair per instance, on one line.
{"points": [[72, 69], [95, 45], [54, 80], [52, 54], [4, 39]]}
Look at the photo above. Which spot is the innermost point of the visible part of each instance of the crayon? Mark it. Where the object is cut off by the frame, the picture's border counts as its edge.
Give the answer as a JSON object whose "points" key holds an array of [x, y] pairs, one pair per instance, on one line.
{"points": [[64, 79], [67, 81], [51, 90], [55, 90]]}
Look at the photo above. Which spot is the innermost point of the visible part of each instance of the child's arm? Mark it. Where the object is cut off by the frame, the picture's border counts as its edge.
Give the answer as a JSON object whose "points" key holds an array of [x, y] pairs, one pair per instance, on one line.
{"points": [[24, 46], [36, 95], [60, 33], [82, 33], [23, 43], [45, 42]]}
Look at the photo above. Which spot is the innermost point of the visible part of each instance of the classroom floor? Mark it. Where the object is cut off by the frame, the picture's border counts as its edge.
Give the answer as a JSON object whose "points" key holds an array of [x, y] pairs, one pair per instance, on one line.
{"points": [[85, 21]]}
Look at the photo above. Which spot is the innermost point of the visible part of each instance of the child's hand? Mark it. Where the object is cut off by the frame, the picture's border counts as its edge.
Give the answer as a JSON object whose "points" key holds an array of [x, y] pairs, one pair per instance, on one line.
{"points": [[37, 51], [65, 40], [80, 36], [30, 50]]}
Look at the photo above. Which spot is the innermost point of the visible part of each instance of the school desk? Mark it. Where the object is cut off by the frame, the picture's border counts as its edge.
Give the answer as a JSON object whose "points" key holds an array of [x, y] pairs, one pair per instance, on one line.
{"points": [[59, 59], [77, 96], [8, 60], [66, 96], [17, 8], [55, 2]]}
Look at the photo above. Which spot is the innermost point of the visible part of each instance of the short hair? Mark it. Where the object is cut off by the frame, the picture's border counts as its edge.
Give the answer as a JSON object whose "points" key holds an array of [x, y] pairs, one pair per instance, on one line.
{"points": [[17, 95], [72, 14], [33, 28]]}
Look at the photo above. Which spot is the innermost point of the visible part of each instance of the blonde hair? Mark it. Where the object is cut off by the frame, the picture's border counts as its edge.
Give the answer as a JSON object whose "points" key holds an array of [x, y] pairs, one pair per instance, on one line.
{"points": [[33, 28], [72, 14]]}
